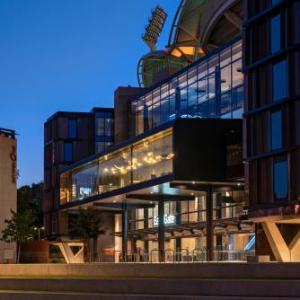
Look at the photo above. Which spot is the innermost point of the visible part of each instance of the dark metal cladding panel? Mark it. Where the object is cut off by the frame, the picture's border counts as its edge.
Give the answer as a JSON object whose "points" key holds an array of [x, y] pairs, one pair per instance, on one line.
{"points": [[201, 149]]}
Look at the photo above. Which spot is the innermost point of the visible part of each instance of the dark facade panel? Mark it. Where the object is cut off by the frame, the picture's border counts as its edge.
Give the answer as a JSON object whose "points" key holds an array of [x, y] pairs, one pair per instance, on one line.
{"points": [[208, 150]]}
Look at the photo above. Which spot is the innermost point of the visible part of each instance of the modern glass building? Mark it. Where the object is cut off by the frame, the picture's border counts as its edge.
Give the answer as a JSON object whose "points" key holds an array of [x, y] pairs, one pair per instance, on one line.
{"points": [[166, 187], [182, 175], [196, 186]]}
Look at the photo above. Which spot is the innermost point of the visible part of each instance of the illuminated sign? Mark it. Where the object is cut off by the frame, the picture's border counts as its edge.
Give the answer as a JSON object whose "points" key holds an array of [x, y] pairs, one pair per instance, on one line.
{"points": [[168, 219], [155, 27]]}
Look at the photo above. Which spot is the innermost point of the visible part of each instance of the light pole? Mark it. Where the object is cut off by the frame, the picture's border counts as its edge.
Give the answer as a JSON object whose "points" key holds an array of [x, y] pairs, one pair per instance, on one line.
{"points": [[39, 229]]}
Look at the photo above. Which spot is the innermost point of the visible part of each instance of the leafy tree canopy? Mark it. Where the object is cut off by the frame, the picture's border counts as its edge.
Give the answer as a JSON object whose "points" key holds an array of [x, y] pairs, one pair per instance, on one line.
{"points": [[20, 227], [86, 224], [30, 198]]}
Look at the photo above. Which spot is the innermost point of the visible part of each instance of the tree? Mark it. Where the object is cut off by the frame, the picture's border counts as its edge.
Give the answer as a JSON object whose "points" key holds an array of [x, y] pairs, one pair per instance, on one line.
{"points": [[30, 197], [19, 228], [86, 224]]}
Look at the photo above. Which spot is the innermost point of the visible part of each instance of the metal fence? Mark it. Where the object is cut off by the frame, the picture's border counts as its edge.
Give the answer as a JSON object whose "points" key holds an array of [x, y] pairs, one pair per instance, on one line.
{"points": [[178, 256]]}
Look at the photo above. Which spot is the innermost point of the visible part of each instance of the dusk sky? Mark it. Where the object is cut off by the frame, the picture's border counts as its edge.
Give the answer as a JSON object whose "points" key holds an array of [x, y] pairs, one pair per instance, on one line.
{"points": [[66, 55]]}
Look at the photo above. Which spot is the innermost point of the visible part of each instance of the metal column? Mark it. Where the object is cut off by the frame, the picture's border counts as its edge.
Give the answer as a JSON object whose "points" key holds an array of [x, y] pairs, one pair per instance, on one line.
{"points": [[161, 231], [209, 224], [124, 231]]}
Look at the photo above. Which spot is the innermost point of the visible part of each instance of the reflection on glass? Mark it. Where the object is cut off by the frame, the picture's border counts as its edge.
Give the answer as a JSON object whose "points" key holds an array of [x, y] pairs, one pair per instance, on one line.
{"points": [[192, 93], [72, 128], [280, 180], [149, 158], [275, 34], [280, 80]]}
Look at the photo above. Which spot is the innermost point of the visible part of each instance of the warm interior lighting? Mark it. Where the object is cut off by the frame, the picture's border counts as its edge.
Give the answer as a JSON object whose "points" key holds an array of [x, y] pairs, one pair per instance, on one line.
{"points": [[175, 52], [187, 50]]}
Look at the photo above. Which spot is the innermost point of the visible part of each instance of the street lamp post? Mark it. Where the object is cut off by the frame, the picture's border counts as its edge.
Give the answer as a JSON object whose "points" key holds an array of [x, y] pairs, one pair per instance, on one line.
{"points": [[39, 229]]}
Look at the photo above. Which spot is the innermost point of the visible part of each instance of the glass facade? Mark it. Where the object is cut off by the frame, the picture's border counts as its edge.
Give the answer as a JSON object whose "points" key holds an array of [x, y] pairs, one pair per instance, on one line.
{"points": [[193, 211], [146, 159], [211, 88], [188, 218]]}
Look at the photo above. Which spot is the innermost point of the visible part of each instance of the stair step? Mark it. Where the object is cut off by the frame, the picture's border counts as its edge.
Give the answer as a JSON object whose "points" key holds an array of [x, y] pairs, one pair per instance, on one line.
{"points": [[188, 287], [45, 295]]}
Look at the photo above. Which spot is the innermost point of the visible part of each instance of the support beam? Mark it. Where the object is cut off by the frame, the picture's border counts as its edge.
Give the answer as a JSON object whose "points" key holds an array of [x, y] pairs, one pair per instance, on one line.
{"points": [[117, 207], [234, 19], [69, 256], [295, 247], [209, 224], [276, 241], [160, 197]]}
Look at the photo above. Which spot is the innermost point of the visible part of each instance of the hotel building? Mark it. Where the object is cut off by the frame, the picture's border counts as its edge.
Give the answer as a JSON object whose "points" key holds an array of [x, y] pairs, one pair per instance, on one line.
{"points": [[174, 179], [70, 137], [272, 115]]}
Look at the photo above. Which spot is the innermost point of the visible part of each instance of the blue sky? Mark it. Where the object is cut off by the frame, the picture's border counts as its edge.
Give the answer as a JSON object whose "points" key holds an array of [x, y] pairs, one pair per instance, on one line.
{"points": [[65, 55]]}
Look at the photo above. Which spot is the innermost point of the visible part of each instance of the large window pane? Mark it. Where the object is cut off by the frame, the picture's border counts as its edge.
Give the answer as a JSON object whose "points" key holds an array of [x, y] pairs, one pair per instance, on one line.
{"points": [[109, 126], [100, 126], [280, 180], [280, 80], [152, 158], [276, 130], [275, 34], [68, 152], [72, 128]]}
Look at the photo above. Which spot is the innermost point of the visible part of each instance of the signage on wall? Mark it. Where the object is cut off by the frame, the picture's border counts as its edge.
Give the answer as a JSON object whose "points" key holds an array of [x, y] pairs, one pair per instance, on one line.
{"points": [[168, 220], [13, 157]]}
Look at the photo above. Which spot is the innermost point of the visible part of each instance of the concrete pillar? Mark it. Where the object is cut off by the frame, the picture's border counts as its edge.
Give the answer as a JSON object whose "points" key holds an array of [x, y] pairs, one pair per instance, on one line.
{"points": [[161, 231], [209, 224]]}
